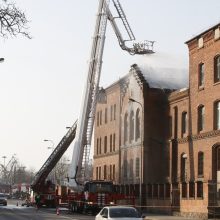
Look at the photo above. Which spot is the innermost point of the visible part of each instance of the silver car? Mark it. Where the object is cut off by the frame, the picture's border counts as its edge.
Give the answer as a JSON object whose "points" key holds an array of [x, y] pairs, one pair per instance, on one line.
{"points": [[118, 212]]}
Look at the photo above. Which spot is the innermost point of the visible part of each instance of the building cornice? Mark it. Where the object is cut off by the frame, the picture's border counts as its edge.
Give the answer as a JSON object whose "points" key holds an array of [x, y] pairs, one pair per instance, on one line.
{"points": [[200, 136]]}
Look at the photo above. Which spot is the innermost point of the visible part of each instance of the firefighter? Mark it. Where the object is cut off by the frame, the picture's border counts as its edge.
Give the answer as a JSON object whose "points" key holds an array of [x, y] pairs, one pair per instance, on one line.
{"points": [[37, 201]]}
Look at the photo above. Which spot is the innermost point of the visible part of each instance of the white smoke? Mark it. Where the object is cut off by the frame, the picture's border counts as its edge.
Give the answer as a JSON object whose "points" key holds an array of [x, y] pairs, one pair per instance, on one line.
{"points": [[164, 71]]}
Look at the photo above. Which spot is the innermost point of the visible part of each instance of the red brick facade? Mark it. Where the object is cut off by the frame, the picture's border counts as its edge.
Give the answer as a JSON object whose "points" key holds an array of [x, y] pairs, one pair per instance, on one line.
{"points": [[168, 140]]}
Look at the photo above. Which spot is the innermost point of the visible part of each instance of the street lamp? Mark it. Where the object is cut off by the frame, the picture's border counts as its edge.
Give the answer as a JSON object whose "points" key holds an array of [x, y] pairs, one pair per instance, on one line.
{"points": [[46, 140], [141, 146], [4, 157], [52, 148]]}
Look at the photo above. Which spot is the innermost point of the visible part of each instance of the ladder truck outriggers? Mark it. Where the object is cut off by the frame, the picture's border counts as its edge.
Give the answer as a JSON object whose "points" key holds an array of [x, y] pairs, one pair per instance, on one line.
{"points": [[91, 194]]}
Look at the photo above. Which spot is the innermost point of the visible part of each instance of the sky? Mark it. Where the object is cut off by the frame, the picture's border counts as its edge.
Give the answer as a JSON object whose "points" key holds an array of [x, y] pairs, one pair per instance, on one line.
{"points": [[42, 79]]}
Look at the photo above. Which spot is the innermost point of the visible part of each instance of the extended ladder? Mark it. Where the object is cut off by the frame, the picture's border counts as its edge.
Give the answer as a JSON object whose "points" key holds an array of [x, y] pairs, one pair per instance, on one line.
{"points": [[52, 160]]}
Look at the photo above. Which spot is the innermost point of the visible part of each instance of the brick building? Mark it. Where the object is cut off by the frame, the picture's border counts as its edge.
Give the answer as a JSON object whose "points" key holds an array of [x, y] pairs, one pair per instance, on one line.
{"points": [[165, 136]]}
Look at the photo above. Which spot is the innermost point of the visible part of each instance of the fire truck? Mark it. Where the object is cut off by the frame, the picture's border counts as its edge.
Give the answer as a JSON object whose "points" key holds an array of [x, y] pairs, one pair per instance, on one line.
{"points": [[82, 194]]}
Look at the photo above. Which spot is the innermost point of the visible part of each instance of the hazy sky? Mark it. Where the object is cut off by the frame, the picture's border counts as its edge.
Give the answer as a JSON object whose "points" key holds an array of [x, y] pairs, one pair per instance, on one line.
{"points": [[42, 79]]}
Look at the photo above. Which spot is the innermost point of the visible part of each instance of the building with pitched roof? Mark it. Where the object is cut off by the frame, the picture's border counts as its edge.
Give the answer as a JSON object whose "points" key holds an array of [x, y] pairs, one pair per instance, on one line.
{"points": [[161, 135]]}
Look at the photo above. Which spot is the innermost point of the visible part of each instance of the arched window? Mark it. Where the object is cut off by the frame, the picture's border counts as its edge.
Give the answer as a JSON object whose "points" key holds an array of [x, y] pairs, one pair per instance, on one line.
{"points": [[217, 68], [201, 118], [138, 124], [201, 74], [217, 115], [184, 123], [131, 126], [183, 167], [200, 164], [125, 128]]}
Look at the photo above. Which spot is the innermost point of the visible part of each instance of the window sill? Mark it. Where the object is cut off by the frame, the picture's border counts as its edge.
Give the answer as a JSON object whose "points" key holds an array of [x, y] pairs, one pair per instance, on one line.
{"points": [[216, 83], [201, 88]]}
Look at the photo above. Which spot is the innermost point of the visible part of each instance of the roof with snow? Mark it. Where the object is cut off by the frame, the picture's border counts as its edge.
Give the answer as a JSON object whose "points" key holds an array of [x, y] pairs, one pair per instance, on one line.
{"points": [[163, 78]]}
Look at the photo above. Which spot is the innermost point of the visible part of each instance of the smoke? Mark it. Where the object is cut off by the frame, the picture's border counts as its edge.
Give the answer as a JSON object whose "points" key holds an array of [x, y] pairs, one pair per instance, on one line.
{"points": [[163, 70]]}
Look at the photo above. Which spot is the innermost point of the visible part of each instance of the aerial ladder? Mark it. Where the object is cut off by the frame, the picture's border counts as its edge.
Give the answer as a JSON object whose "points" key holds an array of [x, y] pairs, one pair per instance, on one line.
{"points": [[82, 129], [38, 184], [82, 145]]}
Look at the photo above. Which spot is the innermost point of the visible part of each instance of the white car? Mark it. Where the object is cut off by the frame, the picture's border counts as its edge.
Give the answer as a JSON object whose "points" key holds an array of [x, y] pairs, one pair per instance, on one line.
{"points": [[118, 212]]}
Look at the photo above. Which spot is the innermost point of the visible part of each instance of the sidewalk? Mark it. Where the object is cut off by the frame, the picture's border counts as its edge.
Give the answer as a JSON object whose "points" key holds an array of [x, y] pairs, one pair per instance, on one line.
{"points": [[150, 216]]}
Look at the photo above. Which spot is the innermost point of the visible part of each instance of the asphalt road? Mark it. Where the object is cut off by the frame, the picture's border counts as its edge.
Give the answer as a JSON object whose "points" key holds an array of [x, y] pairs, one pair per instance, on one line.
{"points": [[14, 212]]}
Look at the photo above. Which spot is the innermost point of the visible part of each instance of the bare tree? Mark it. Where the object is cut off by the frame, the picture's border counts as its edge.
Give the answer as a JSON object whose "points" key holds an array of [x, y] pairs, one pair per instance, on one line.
{"points": [[12, 20]]}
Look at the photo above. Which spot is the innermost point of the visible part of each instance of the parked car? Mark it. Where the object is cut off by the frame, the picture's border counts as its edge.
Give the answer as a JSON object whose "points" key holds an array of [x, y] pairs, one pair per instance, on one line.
{"points": [[118, 212], [3, 199]]}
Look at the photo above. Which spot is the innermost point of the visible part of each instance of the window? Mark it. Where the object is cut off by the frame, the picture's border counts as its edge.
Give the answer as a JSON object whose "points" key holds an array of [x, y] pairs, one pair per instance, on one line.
{"points": [[113, 177], [218, 159], [201, 74], [125, 128], [100, 120], [175, 122], [100, 174], [191, 189], [100, 145], [110, 172], [97, 146], [200, 189], [113, 142], [184, 190], [137, 171], [106, 115], [132, 126], [217, 69], [183, 167], [105, 172], [217, 115], [111, 116], [155, 190], [105, 145], [114, 111], [184, 123], [161, 191], [167, 191], [137, 127], [97, 173], [201, 116], [200, 164]]}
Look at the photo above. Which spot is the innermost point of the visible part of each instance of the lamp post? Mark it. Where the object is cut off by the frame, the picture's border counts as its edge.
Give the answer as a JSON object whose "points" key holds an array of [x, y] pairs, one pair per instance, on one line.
{"points": [[4, 157], [52, 148], [141, 146]]}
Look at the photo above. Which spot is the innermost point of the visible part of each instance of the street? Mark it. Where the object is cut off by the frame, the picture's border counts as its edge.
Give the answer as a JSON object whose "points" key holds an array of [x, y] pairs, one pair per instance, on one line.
{"points": [[14, 212]]}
